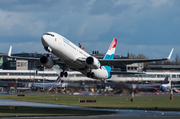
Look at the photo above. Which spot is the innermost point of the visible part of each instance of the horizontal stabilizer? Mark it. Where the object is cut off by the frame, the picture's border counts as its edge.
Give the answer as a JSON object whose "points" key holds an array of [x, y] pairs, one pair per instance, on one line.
{"points": [[50, 87]]}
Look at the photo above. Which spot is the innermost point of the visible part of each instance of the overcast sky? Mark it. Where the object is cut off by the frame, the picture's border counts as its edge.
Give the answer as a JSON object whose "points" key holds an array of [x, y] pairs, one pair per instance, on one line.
{"points": [[151, 27]]}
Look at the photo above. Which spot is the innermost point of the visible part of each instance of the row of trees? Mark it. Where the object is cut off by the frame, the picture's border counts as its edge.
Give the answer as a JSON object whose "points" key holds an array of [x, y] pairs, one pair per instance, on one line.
{"points": [[176, 61]]}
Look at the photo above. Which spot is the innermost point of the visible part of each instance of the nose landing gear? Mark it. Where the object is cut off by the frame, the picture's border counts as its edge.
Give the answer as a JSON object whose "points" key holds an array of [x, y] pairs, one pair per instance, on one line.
{"points": [[65, 74], [48, 49]]}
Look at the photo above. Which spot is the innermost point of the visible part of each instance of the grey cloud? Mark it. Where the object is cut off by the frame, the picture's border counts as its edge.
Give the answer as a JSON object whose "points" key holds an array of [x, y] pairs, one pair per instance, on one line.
{"points": [[22, 47], [61, 6], [16, 23], [108, 7], [131, 22]]}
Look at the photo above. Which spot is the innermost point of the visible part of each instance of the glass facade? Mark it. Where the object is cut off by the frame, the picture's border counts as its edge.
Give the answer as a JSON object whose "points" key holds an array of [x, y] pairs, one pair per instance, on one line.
{"points": [[7, 63], [1, 63]]}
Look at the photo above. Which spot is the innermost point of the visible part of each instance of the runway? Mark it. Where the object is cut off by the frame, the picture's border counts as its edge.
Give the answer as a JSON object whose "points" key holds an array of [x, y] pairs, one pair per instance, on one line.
{"points": [[119, 113]]}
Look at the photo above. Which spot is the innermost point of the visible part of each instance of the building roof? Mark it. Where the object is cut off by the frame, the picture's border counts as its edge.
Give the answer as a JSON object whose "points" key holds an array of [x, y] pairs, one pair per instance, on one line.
{"points": [[2, 54], [163, 66]]}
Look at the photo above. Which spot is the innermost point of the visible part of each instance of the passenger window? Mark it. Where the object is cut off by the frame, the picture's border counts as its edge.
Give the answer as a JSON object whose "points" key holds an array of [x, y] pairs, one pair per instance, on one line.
{"points": [[173, 76]]}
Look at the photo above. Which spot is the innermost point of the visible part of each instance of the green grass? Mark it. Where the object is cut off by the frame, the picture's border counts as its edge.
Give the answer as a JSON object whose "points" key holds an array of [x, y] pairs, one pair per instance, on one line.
{"points": [[5, 111], [162, 102]]}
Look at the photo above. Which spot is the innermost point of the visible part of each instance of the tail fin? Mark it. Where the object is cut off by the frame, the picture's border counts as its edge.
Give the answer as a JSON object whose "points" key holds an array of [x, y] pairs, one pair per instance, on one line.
{"points": [[167, 80], [58, 80], [111, 50], [110, 55]]}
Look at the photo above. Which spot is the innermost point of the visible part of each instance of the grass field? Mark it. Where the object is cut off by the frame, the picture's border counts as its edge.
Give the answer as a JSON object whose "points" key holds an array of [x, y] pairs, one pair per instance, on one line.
{"points": [[158, 102]]}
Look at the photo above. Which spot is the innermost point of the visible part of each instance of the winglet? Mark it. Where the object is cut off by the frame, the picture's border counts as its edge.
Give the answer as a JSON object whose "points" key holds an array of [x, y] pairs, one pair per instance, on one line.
{"points": [[9, 53], [169, 57]]}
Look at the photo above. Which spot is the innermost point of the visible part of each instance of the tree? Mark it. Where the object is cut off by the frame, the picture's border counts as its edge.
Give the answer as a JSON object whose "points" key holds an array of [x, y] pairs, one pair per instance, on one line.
{"points": [[141, 56], [177, 59], [132, 56]]}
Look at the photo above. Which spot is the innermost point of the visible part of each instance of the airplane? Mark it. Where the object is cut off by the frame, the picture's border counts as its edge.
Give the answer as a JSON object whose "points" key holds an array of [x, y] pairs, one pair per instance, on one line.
{"points": [[71, 56], [154, 86], [166, 86], [49, 86]]}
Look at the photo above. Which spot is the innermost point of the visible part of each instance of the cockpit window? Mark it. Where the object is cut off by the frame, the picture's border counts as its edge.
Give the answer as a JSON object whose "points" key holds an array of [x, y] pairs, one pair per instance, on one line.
{"points": [[48, 34]]}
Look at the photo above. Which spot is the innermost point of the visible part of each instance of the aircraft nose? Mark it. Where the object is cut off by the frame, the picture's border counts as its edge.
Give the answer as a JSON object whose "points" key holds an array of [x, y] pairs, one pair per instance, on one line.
{"points": [[44, 41], [43, 38]]}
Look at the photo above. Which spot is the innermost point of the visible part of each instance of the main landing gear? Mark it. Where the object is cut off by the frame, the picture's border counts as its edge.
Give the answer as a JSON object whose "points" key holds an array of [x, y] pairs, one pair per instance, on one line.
{"points": [[63, 73], [90, 74]]}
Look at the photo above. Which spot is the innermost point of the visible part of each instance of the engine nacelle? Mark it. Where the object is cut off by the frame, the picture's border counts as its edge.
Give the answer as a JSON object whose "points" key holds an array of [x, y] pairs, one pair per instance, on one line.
{"points": [[93, 63], [46, 61]]}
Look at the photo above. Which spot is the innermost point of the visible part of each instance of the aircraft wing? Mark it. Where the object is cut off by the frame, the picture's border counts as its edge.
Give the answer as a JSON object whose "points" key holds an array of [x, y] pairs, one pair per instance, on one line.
{"points": [[25, 58], [116, 62], [55, 60], [123, 72], [110, 62]]}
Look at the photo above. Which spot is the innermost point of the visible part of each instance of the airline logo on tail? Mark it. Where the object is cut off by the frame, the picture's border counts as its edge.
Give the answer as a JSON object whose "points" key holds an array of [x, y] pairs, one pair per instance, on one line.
{"points": [[58, 80], [165, 80], [113, 44], [110, 55], [111, 51]]}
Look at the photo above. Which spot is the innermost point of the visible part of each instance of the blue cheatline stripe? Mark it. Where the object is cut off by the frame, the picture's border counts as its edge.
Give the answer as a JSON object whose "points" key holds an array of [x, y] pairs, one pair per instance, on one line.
{"points": [[65, 40], [108, 68], [109, 56]]}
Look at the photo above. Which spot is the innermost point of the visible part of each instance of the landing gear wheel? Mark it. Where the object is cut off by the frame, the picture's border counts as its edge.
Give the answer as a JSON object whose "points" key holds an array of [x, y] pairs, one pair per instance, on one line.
{"points": [[65, 74], [61, 74], [88, 74], [92, 75]]}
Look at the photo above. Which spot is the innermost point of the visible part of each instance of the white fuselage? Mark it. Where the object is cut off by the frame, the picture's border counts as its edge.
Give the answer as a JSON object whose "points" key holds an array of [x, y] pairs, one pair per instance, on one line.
{"points": [[69, 53], [46, 85]]}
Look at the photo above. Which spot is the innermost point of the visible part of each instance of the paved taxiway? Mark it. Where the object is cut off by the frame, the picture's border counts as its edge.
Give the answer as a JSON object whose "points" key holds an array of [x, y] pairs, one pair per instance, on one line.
{"points": [[125, 113]]}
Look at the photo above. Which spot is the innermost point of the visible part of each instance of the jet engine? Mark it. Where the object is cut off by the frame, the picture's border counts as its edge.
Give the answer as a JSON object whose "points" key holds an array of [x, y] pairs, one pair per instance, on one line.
{"points": [[92, 62], [46, 61]]}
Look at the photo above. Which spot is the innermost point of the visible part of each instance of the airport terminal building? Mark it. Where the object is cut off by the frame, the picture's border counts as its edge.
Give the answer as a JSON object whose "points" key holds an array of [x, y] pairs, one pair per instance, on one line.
{"points": [[24, 72], [28, 69]]}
